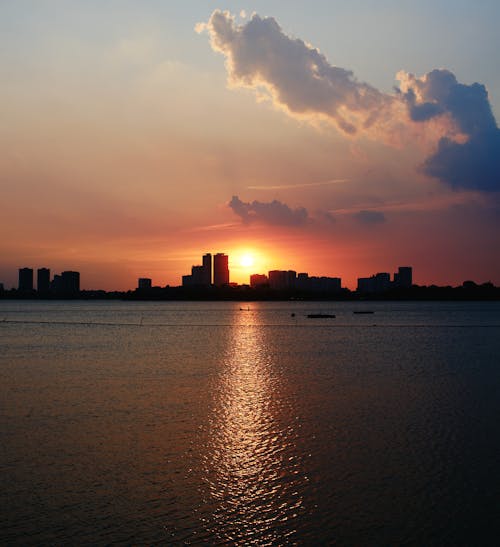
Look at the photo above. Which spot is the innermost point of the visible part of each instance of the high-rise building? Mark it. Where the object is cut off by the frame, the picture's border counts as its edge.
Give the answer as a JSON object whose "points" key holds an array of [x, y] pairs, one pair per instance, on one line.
{"points": [[303, 281], [26, 279], [382, 282], [221, 270], [67, 283], [280, 279], [71, 281], [403, 278], [325, 284], [201, 276], [144, 283], [258, 280], [197, 276], [43, 280], [377, 283], [207, 270]]}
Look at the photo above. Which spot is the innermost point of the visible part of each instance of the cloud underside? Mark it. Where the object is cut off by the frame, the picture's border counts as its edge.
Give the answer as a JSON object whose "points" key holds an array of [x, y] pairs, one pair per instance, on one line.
{"points": [[277, 213], [370, 217], [274, 212], [301, 81]]}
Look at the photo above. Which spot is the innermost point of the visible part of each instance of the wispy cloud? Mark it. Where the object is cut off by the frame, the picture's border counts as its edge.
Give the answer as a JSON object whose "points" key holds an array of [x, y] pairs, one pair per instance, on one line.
{"points": [[429, 203], [300, 185], [212, 227]]}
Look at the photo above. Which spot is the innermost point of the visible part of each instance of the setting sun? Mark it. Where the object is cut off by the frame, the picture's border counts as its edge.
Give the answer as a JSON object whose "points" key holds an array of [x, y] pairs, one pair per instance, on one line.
{"points": [[246, 261]]}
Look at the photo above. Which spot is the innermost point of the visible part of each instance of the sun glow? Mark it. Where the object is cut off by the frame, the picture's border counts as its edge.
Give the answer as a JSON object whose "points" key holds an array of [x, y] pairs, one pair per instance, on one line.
{"points": [[247, 261]]}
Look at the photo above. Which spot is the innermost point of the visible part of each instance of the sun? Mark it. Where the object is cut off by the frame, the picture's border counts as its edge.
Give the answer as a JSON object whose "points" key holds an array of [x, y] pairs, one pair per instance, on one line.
{"points": [[246, 261]]}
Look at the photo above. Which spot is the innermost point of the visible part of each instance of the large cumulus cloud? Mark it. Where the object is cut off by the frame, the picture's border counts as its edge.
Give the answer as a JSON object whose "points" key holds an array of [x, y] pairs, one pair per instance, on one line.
{"points": [[474, 161], [300, 80]]}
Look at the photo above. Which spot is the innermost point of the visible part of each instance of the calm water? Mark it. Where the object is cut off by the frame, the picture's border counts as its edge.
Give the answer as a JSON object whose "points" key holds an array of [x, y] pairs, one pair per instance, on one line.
{"points": [[203, 423]]}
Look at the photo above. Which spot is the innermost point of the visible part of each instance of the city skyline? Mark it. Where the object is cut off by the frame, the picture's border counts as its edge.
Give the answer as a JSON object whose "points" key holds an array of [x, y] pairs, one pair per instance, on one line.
{"points": [[216, 274], [135, 134], [201, 278], [275, 285]]}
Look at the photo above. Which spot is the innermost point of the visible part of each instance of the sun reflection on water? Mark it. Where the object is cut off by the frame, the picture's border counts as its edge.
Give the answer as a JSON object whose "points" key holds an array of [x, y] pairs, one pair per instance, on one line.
{"points": [[252, 470]]}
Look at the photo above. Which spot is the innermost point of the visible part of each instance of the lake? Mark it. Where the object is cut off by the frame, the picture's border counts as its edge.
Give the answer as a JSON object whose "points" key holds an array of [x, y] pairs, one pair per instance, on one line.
{"points": [[177, 423]]}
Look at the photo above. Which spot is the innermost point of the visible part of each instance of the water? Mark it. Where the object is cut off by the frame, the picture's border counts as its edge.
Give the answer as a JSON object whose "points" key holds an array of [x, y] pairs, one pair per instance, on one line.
{"points": [[179, 423]]}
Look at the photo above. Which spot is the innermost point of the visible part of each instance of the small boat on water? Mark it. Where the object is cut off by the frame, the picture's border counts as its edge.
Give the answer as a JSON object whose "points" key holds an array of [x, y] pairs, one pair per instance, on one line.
{"points": [[364, 312], [320, 315]]}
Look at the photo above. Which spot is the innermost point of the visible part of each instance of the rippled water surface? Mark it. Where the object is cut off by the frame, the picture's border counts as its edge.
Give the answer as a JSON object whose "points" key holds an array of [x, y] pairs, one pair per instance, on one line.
{"points": [[179, 423]]}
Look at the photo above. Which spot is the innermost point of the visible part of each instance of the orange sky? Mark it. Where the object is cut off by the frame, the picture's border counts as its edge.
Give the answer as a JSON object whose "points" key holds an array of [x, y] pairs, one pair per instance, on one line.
{"points": [[120, 157]]}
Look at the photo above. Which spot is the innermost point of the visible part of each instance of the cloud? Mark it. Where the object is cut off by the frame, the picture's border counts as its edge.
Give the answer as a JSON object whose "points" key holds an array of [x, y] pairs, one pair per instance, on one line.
{"points": [[474, 165], [454, 119], [472, 162], [370, 217], [300, 185], [326, 216], [297, 76], [274, 212]]}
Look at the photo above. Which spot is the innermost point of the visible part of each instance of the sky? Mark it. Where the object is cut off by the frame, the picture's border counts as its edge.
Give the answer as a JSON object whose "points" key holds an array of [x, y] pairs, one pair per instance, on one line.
{"points": [[329, 137]]}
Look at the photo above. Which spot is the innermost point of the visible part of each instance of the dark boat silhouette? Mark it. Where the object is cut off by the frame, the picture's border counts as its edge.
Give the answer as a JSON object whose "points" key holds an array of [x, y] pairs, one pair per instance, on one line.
{"points": [[363, 312], [320, 315]]}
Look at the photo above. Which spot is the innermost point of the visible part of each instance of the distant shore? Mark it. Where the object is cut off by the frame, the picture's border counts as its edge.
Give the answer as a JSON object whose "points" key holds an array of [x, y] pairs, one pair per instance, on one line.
{"points": [[468, 291]]}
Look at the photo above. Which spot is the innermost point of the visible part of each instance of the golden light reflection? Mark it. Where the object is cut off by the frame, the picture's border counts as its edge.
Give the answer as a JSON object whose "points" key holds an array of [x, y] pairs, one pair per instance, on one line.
{"points": [[252, 470]]}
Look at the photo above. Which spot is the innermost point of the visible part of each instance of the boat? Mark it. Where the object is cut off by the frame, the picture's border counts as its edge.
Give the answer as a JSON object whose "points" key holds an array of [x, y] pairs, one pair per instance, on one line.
{"points": [[320, 315], [359, 312]]}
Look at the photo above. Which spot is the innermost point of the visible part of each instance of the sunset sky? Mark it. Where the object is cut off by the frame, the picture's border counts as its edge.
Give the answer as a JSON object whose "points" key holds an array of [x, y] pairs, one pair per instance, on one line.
{"points": [[329, 137]]}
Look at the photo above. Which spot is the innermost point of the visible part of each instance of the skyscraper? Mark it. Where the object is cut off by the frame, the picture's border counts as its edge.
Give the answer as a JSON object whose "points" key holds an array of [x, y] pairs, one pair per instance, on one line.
{"points": [[258, 280], [68, 283], [25, 279], [405, 277], [197, 276], [207, 270], [221, 270], [377, 283], [43, 280], [144, 283], [281, 280]]}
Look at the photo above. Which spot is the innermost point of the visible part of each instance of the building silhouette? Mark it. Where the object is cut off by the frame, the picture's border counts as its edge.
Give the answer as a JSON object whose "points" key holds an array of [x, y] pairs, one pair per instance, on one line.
{"points": [[377, 283], [43, 280], [207, 269], [201, 276], [403, 278], [68, 283], [318, 284], [25, 279], [144, 283], [221, 270], [198, 276], [280, 279], [71, 281], [258, 281], [381, 282]]}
